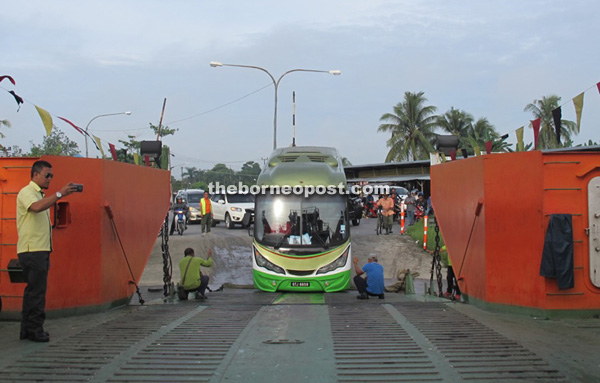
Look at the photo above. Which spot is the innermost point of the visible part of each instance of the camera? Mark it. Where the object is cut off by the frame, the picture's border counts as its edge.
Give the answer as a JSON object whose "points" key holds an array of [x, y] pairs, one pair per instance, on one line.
{"points": [[78, 187]]}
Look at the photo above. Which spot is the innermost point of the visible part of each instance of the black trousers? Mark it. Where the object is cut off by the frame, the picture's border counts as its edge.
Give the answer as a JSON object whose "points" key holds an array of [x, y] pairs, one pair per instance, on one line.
{"points": [[451, 280], [35, 270], [203, 285], [361, 286]]}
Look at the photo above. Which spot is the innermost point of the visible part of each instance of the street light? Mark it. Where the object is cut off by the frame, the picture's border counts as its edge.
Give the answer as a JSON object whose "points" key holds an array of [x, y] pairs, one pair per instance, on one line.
{"points": [[215, 64], [88, 125]]}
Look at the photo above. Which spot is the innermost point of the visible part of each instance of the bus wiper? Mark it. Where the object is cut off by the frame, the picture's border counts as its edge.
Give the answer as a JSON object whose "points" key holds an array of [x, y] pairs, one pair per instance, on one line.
{"points": [[318, 237], [287, 234]]}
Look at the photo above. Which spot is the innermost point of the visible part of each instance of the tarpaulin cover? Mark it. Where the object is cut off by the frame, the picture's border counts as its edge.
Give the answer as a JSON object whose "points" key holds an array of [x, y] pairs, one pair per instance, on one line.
{"points": [[557, 256]]}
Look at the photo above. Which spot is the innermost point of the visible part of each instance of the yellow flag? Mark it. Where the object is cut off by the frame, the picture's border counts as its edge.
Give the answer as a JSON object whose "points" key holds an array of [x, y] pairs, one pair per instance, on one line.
{"points": [[520, 145], [578, 102], [443, 157], [136, 158], [46, 119], [476, 150], [99, 145]]}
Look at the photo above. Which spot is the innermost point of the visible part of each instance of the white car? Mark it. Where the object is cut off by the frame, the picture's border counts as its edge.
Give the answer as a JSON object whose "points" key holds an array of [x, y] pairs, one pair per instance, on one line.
{"points": [[232, 208]]}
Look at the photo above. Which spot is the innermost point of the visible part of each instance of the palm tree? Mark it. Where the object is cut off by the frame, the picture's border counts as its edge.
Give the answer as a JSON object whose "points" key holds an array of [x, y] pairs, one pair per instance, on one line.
{"points": [[483, 131], [457, 122], [411, 125], [542, 109]]}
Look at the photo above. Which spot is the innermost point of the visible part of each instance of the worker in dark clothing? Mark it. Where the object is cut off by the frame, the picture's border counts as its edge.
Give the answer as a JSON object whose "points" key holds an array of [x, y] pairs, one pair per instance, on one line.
{"points": [[180, 204]]}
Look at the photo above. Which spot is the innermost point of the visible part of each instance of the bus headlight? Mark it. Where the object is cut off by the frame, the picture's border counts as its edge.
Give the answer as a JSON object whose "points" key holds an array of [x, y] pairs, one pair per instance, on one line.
{"points": [[339, 262], [264, 262]]}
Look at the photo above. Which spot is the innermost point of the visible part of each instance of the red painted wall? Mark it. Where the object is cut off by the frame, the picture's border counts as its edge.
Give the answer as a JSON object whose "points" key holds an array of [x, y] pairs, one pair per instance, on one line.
{"points": [[87, 265], [519, 192]]}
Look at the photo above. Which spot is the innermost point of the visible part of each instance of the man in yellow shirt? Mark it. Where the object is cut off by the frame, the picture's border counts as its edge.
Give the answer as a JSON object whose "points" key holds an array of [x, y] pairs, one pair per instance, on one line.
{"points": [[192, 278], [206, 212], [34, 246]]}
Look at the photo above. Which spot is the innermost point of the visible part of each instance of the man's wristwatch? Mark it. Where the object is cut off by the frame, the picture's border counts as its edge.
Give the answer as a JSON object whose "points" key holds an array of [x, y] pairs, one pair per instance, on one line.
{"points": [[58, 195]]}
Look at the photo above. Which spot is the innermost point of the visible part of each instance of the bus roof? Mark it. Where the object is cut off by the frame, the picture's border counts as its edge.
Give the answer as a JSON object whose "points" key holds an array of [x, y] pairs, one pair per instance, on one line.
{"points": [[303, 165]]}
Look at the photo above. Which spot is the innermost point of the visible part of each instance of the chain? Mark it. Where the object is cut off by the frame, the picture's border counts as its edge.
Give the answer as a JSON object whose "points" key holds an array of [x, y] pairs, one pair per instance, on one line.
{"points": [[438, 258], [167, 262], [436, 263]]}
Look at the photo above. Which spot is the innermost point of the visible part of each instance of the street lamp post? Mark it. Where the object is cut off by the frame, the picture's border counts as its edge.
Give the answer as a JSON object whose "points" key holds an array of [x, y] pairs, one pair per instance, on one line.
{"points": [[88, 125], [276, 85]]}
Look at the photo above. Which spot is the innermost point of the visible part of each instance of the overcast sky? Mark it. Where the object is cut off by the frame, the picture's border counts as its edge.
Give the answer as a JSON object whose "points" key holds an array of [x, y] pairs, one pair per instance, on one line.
{"points": [[80, 59]]}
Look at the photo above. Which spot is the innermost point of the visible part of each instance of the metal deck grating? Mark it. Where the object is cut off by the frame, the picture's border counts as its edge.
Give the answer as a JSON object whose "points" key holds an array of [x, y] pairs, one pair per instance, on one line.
{"points": [[166, 343], [370, 346], [476, 352]]}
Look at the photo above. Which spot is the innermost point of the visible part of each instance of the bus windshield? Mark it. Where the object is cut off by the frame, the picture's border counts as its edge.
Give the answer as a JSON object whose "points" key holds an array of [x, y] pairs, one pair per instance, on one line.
{"points": [[295, 223]]}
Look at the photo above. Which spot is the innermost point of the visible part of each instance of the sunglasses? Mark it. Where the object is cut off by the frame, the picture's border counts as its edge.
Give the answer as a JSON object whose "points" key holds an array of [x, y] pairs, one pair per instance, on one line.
{"points": [[49, 176]]}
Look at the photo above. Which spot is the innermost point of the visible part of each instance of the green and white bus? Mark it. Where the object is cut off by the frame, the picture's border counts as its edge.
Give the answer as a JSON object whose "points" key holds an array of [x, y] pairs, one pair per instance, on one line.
{"points": [[301, 228]]}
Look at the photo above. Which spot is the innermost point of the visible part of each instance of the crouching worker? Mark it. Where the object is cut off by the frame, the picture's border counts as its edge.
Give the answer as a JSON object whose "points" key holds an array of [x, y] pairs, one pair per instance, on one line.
{"points": [[373, 285], [192, 278]]}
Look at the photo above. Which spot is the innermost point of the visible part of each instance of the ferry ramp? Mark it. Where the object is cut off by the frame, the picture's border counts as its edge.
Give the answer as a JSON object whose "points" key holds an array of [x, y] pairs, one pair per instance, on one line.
{"points": [[244, 335]]}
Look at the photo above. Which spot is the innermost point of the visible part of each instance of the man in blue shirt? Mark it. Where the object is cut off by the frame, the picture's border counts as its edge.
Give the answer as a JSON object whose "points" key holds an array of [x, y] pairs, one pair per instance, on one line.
{"points": [[373, 284]]}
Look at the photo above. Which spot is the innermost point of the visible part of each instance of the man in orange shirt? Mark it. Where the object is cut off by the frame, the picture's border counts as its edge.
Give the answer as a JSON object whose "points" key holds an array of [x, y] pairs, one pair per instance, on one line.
{"points": [[387, 210], [206, 212]]}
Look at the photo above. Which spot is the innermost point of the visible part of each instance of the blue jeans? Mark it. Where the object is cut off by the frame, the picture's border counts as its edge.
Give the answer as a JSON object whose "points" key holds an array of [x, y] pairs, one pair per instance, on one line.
{"points": [[410, 217]]}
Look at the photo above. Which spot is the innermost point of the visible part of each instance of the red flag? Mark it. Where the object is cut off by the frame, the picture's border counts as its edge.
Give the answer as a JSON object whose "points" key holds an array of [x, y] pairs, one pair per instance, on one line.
{"points": [[9, 78], [73, 125], [598, 85], [453, 155], [535, 124], [147, 160], [488, 147], [113, 151]]}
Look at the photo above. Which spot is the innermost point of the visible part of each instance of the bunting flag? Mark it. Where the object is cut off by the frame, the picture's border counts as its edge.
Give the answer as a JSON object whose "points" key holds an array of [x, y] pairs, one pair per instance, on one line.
{"points": [[77, 128], [99, 145], [136, 158], [520, 145], [578, 103], [598, 85], [535, 124], [557, 116], [477, 150], [83, 132], [488, 147], [18, 99], [443, 157], [113, 151], [9, 78], [453, 155], [46, 119], [147, 160]]}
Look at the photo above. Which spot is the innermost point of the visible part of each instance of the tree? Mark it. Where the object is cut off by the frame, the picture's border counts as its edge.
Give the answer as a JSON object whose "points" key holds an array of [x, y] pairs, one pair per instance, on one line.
{"points": [[131, 146], [411, 125], [7, 124], [222, 174], [56, 144], [542, 109], [249, 173], [482, 132], [164, 130], [12, 151], [457, 122]]}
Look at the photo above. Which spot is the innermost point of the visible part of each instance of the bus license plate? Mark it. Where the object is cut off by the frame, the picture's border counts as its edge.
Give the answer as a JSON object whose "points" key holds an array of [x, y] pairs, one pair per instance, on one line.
{"points": [[300, 284]]}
